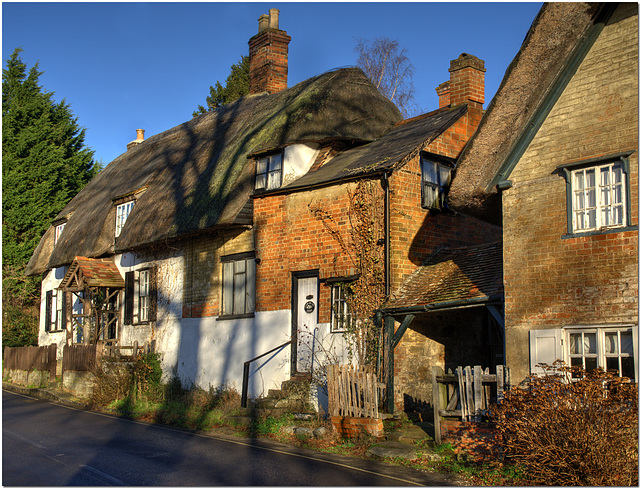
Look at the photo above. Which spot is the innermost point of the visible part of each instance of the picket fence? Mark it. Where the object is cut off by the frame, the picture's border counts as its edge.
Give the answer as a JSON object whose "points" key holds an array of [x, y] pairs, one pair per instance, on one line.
{"points": [[353, 391], [30, 358]]}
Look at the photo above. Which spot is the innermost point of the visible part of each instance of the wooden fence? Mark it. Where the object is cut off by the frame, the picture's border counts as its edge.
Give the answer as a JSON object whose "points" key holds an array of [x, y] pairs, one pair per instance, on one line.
{"points": [[111, 348], [30, 358], [78, 357], [353, 391], [466, 393]]}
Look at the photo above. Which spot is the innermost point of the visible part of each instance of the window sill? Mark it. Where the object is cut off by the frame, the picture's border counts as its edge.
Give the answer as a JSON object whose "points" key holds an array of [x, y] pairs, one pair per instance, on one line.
{"points": [[235, 317], [599, 232], [56, 331], [338, 331]]}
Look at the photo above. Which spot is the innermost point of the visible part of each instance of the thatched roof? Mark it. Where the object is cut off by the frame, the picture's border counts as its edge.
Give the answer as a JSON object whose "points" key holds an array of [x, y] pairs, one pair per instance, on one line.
{"points": [[197, 176], [557, 38], [453, 276], [392, 150]]}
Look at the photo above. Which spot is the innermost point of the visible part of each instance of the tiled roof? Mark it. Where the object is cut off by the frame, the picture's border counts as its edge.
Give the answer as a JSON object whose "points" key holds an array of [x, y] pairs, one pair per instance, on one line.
{"points": [[95, 272], [453, 274]]}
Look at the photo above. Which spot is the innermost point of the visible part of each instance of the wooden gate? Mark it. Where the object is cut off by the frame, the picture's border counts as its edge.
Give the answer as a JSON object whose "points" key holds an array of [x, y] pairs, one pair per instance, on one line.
{"points": [[353, 391], [466, 393]]}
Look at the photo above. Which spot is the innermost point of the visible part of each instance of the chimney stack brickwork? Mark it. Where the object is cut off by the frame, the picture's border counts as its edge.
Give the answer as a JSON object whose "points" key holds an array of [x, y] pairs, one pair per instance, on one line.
{"points": [[268, 56]]}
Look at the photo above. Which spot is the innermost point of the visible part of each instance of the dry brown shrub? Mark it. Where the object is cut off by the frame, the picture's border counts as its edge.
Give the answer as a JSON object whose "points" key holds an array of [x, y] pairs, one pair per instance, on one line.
{"points": [[572, 433]]}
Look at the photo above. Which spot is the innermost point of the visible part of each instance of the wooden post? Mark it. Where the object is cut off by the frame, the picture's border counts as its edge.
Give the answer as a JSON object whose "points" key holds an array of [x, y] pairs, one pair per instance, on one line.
{"points": [[477, 392], [388, 339], [499, 383], [438, 391], [135, 349]]}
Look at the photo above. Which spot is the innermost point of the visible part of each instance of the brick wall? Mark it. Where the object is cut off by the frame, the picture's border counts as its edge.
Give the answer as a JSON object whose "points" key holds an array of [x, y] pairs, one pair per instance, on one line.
{"points": [[552, 282], [290, 238], [268, 53], [416, 232]]}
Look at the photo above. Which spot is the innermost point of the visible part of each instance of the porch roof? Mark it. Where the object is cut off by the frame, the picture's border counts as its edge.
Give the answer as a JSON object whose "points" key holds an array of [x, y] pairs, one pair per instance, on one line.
{"points": [[93, 272], [467, 274]]}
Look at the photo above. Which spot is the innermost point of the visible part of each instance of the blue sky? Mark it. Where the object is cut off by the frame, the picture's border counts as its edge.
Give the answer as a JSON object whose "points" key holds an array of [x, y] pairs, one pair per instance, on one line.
{"points": [[124, 66]]}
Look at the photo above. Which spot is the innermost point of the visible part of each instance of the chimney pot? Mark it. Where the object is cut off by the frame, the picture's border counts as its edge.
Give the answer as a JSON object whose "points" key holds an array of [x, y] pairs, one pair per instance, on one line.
{"points": [[263, 23], [274, 18], [139, 138]]}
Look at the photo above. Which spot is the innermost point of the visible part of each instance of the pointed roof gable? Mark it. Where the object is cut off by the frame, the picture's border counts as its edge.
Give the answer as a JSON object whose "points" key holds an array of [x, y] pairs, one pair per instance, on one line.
{"points": [[197, 176], [86, 272], [557, 41]]}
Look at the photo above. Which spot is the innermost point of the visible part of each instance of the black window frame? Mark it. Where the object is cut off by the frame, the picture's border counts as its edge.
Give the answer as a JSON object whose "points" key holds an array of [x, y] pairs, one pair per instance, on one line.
{"points": [[131, 296], [442, 169], [231, 263], [269, 160]]}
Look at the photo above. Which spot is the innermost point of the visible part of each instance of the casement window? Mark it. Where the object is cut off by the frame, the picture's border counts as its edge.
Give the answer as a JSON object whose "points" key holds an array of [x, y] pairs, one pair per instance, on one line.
{"points": [[269, 172], [140, 296], [238, 284], [598, 194], [55, 316], [609, 348], [436, 177], [58, 230], [341, 317], [122, 213]]}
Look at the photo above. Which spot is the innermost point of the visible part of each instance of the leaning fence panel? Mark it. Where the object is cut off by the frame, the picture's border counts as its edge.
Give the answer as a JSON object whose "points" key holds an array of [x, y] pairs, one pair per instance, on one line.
{"points": [[353, 391], [466, 393]]}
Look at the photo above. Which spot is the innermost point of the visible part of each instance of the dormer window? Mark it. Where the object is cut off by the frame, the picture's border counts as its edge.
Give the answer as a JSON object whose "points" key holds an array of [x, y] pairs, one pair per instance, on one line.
{"points": [[122, 213], [436, 177], [59, 229], [269, 172]]}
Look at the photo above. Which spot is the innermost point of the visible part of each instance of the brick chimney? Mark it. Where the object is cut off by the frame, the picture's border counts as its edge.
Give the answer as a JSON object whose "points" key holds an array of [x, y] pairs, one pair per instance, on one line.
{"points": [[465, 85], [268, 55], [139, 138]]}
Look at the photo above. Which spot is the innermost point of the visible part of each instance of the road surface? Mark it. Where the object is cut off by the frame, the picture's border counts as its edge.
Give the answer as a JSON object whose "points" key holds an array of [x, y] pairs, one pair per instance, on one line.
{"points": [[49, 444]]}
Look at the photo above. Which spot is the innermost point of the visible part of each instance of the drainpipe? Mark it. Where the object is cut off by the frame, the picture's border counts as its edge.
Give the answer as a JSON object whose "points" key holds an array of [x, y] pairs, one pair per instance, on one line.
{"points": [[387, 234]]}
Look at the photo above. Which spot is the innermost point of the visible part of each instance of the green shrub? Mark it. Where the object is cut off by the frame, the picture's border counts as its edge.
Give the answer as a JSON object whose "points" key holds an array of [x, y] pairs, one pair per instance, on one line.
{"points": [[561, 432]]}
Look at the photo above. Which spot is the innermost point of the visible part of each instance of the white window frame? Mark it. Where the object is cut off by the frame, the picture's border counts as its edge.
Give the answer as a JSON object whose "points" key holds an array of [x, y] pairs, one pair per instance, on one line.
{"points": [[238, 285], [598, 195], [435, 180], [600, 203], [142, 294], [58, 230], [549, 345], [122, 214], [341, 316], [269, 171]]}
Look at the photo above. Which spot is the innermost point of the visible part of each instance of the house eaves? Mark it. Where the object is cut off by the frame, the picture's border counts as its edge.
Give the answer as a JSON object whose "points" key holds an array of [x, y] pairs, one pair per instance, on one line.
{"points": [[390, 152]]}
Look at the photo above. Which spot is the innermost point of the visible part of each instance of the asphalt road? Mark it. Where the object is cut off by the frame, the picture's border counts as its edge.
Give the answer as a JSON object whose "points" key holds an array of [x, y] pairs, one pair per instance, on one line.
{"points": [[46, 444]]}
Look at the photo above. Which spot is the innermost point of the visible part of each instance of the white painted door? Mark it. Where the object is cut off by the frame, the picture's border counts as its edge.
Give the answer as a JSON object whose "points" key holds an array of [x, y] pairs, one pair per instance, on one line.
{"points": [[307, 319]]}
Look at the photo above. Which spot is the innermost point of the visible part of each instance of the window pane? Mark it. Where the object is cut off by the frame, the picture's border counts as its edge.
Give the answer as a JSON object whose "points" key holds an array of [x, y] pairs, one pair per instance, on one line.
{"points": [[590, 343], [274, 180], [575, 344], [627, 367], [250, 286], [227, 288], [626, 343], [261, 181], [430, 196], [261, 166], [590, 178], [275, 163], [618, 174], [612, 364], [590, 364], [578, 180], [604, 176], [611, 343], [590, 221], [579, 200], [576, 361]]}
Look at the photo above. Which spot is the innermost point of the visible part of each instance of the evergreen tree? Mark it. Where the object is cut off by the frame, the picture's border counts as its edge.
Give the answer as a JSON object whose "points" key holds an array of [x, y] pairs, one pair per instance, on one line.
{"points": [[237, 85], [44, 164]]}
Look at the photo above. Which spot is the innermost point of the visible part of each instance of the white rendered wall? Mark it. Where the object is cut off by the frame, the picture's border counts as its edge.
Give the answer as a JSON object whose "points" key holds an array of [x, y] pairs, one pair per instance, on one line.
{"points": [[297, 161]]}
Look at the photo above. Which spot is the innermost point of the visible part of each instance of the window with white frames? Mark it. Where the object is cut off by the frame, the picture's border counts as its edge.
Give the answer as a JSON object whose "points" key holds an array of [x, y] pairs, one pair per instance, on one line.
{"points": [[606, 347], [269, 172], [609, 349], [238, 284], [122, 213], [59, 229], [341, 316], [436, 177], [598, 194], [143, 295]]}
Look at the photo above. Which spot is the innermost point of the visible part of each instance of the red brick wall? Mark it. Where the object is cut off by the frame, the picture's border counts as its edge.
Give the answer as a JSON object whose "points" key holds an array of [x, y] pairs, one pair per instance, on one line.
{"points": [[268, 65], [290, 238]]}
